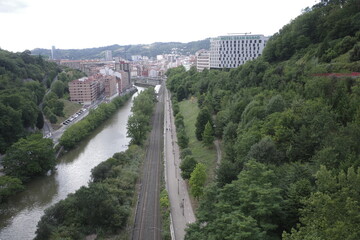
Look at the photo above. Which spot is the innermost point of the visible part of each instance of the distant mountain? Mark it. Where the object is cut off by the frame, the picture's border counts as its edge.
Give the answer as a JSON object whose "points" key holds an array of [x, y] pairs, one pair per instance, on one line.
{"points": [[126, 51]]}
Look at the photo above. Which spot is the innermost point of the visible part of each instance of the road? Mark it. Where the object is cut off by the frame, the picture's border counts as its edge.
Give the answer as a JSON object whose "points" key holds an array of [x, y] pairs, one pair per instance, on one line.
{"points": [[181, 209], [147, 219]]}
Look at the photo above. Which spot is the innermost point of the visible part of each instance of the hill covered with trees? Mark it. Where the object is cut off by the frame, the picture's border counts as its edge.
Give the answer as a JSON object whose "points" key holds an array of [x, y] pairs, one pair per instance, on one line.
{"points": [[126, 51], [290, 138], [24, 79]]}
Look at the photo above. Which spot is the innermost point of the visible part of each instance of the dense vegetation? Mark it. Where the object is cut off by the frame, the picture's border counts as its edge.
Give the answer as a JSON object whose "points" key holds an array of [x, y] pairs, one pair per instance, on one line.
{"points": [[80, 130], [291, 158], [101, 208], [23, 82], [138, 124], [24, 79], [126, 51]]}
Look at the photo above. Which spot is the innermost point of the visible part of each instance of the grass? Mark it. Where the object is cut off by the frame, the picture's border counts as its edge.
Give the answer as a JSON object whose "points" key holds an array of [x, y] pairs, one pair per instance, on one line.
{"points": [[69, 109], [190, 110]]}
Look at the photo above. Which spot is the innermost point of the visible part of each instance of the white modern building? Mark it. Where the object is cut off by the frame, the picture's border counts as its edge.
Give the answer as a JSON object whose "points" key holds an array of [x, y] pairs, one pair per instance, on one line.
{"points": [[234, 50], [202, 60]]}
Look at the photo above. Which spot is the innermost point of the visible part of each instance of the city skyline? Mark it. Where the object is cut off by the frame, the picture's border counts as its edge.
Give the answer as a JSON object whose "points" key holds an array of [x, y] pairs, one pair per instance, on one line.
{"points": [[82, 24]]}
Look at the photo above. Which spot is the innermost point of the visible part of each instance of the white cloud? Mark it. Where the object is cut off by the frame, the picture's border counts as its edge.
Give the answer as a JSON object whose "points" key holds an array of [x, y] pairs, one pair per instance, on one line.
{"points": [[84, 24], [11, 6]]}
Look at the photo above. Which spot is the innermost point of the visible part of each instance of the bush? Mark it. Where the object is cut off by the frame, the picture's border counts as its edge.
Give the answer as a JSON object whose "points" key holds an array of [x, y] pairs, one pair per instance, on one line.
{"points": [[9, 186], [187, 166], [185, 152], [355, 53]]}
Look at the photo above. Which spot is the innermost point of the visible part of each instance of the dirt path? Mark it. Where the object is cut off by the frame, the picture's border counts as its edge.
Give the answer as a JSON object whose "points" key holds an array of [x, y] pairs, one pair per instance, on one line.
{"points": [[218, 152]]}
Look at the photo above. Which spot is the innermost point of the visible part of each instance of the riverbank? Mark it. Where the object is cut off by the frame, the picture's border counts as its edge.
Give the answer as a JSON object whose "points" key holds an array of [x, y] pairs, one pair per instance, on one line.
{"points": [[19, 217]]}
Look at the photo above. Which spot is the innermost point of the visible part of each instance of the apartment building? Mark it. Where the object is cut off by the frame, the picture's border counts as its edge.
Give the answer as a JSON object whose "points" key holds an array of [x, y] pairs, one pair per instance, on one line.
{"points": [[84, 90], [234, 50], [110, 86], [202, 60]]}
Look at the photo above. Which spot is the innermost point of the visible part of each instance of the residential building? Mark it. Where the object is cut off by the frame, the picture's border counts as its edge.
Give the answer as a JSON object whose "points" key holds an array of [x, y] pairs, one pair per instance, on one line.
{"points": [[84, 90], [110, 86], [234, 50], [202, 60]]}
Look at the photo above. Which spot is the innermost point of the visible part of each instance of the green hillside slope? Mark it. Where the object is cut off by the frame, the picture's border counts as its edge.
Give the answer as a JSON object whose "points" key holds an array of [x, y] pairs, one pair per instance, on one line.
{"points": [[23, 82], [290, 138], [126, 51]]}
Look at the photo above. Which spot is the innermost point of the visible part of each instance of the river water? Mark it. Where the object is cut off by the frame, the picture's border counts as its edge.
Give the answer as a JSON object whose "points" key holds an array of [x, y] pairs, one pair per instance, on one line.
{"points": [[18, 218]]}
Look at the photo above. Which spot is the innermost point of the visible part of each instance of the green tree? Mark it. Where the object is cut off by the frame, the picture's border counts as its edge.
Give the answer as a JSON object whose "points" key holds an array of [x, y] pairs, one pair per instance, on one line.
{"points": [[137, 127], [355, 53], [40, 120], [185, 152], [201, 120], [197, 180], [29, 157], [52, 118], [58, 88], [332, 212], [183, 139], [11, 126], [9, 186], [187, 166], [208, 135], [37, 89]]}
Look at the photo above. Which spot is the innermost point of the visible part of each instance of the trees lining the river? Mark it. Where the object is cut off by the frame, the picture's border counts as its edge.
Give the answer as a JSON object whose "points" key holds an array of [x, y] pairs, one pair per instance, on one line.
{"points": [[139, 122], [78, 131], [103, 207]]}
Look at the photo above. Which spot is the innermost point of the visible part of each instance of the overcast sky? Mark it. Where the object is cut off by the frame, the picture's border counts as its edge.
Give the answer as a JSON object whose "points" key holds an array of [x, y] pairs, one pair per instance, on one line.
{"points": [[75, 24]]}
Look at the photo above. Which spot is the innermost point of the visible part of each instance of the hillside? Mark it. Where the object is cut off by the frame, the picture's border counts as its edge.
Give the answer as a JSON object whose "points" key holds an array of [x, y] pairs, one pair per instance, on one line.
{"points": [[126, 51], [289, 131], [23, 82]]}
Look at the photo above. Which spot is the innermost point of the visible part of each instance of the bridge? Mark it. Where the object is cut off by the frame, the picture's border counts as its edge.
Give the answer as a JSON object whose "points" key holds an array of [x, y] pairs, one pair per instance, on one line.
{"points": [[147, 81]]}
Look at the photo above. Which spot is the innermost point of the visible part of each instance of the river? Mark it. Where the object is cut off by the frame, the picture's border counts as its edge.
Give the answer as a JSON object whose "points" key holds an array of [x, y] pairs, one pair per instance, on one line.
{"points": [[19, 217]]}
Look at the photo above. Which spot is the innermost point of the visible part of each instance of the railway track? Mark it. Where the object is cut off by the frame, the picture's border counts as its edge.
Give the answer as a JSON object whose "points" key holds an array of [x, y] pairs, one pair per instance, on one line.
{"points": [[148, 219]]}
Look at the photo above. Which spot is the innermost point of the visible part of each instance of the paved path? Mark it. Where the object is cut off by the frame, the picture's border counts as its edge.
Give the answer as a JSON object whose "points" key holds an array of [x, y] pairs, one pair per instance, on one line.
{"points": [[181, 209]]}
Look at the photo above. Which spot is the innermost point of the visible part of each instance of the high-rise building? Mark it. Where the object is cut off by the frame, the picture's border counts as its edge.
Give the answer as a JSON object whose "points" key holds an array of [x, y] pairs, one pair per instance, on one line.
{"points": [[53, 55], [202, 60], [108, 55], [234, 50]]}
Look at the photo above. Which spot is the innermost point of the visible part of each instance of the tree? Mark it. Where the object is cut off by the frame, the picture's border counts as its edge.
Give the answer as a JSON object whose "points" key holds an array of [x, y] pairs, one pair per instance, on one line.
{"points": [[137, 127], [183, 139], [208, 135], [29, 157], [265, 152], [197, 180], [37, 89], [187, 166], [201, 120], [185, 152], [52, 118], [40, 120], [332, 212], [355, 53], [9, 186], [10, 126]]}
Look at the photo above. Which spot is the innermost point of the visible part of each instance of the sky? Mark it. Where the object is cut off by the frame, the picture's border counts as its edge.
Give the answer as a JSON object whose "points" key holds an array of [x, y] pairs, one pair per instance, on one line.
{"points": [[77, 24]]}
